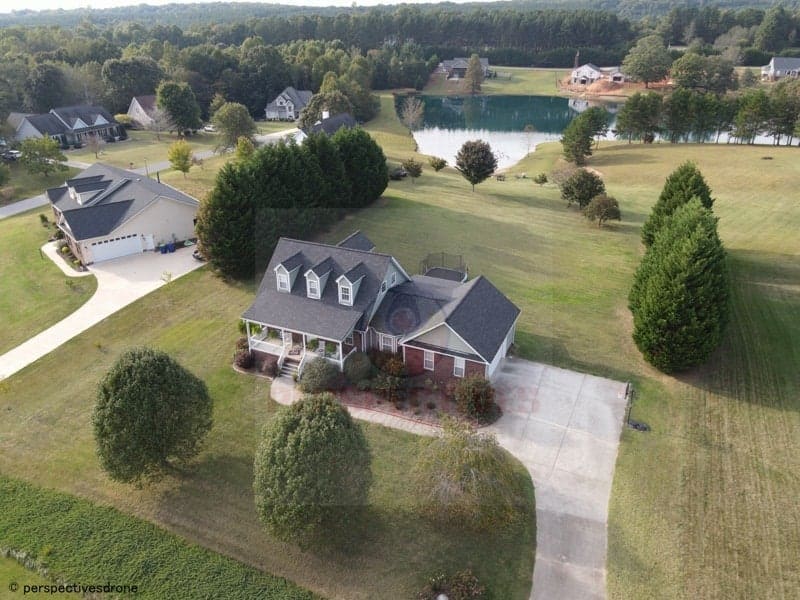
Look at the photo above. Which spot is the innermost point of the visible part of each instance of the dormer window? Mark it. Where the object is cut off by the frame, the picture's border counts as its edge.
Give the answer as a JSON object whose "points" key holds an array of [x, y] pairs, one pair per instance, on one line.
{"points": [[283, 282], [345, 294], [313, 288]]}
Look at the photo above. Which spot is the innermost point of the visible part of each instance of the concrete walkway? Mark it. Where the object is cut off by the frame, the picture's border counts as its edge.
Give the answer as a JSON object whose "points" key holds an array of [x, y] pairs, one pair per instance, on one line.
{"points": [[565, 428], [50, 250], [119, 283]]}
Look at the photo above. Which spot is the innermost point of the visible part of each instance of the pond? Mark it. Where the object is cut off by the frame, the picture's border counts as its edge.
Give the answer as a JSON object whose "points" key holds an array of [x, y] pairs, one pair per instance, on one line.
{"points": [[449, 121]]}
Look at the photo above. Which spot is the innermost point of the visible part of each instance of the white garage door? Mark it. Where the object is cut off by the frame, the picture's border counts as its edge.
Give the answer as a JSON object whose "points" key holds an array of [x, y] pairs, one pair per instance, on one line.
{"points": [[116, 247]]}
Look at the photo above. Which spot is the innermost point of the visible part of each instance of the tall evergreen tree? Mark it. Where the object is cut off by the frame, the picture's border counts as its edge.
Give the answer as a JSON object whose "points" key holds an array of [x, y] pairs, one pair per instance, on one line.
{"points": [[680, 295], [473, 78], [576, 141], [683, 184], [338, 190], [364, 163]]}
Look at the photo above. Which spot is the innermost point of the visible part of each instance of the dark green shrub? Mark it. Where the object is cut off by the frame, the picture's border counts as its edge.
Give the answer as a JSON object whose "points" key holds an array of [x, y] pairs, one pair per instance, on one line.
{"points": [[364, 385], [380, 357], [357, 367], [320, 375], [394, 366], [312, 470], [241, 343], [436, 163], [269, 366], [581, 187], [474, 396], [541, 178], [389, 387]]}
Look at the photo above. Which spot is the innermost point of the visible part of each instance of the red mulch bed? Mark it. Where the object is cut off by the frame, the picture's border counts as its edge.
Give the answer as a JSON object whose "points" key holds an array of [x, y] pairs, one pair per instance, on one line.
{"points": [[415, 406]]}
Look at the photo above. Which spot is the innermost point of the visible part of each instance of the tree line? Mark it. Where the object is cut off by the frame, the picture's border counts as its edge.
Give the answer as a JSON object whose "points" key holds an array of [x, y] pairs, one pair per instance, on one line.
{"points": [[286, 189]]}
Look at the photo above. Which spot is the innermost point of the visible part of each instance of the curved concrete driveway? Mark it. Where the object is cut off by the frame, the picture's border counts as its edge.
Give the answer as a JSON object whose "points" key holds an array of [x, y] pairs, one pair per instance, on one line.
{"points": [[119, 282], [564, 427]]}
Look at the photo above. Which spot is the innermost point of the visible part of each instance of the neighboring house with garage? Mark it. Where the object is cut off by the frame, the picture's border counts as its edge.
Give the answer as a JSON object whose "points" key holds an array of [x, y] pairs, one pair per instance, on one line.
{"points": [[589, 73], [141, 110], [287, 105], [327, 125], [69, 125], [106, 212], [457, 68], [328, 301]]}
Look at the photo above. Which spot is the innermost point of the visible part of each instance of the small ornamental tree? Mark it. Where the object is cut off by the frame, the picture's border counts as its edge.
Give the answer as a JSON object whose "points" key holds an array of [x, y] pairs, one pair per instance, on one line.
{"points": [[680, 295], [436, 163], [580, 187], [412, 167], [244, 148], [683, 184], [42, 156], [232, 122], [465, 479], [602, 208], [180, 156], [95, 144], [312, 470], [475, 161], [412, 112], [150, 412], [576, 141], [540, 179]]}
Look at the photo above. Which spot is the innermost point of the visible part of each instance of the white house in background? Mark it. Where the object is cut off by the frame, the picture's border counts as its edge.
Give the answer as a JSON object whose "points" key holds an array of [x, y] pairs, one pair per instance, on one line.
{"points": [[141, 110], [589, 73], [780, 67], [287, 105], [107, 212]]}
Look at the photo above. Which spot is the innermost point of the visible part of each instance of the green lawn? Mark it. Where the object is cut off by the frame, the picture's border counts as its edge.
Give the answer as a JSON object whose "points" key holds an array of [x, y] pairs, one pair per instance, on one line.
{"points": [[199, 180], [13, 572], [139, 146], [35, 293], [23, 185], [194, 318], [518, 81]]}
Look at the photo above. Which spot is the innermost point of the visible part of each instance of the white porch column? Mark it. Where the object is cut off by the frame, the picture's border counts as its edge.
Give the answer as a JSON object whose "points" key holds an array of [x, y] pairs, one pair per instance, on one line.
{"points": [[247, 327]]}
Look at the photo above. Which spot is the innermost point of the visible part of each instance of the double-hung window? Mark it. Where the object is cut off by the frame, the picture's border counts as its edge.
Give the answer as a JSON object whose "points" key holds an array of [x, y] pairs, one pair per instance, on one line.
{"points": [[427, 360], [283, 282], [458, 367], [344, 295], [387, 344], [313, 288]]}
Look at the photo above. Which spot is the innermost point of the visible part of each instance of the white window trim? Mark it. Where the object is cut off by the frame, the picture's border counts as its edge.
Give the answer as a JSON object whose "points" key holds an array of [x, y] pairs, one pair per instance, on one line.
{"points": [[342, 300], [382, 337], [459, 362], [428, 354], [349, 340], [283, 279], [309, 282]]}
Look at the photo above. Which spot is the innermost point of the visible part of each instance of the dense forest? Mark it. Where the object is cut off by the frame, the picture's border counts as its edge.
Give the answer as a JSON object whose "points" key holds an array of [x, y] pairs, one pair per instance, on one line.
{"points": [[251, 60]]}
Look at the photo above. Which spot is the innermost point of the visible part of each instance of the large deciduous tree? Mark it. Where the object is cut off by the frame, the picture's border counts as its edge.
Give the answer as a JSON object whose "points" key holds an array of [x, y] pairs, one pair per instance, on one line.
{"points": [[648, 61], [150, 412], [129, 77], [640, 117], [683, 184], [232, 121], [178, 100], [475, 161], [333, 103], [680, 294], [42, 156], [45, 88], [465, 479], [312, 470]]}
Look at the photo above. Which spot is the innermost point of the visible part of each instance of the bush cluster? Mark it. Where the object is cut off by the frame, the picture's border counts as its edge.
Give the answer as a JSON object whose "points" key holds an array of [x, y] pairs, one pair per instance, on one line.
{"points": [[320, 375], [290, 190], [357, 367], [474, 397], [244, 359]]}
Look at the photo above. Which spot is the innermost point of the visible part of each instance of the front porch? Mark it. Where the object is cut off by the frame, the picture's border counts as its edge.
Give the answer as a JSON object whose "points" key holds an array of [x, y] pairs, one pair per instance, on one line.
{"points": [[298, 347]]}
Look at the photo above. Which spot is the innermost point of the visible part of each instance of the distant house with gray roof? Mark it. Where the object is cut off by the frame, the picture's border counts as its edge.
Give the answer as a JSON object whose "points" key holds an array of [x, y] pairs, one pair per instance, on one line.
{"points": [[457, 67], [287, 105], [106, 212], [142, 109], [68, 125], [322, 301], [780, 67]]}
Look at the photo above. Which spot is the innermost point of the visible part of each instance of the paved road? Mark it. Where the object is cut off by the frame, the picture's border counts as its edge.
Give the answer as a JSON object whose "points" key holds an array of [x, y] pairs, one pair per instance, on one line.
{"points": [[564, 427], [119, 283]]}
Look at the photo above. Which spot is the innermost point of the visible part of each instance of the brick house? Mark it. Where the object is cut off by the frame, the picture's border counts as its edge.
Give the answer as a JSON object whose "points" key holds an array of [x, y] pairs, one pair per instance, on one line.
{"points": [[328, 301]]}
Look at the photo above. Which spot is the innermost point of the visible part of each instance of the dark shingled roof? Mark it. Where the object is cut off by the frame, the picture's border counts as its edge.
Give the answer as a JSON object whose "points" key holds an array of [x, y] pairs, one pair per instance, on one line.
{"points": [[322, 267], [357, 241], [118, 195], [324, 317], [785, 63], [300, 98], [47, 124], [87, 114], [333, 124]]}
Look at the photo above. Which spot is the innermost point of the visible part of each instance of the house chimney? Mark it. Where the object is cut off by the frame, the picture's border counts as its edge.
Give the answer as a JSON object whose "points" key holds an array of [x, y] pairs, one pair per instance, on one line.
{"points": [[326, 115], [577, 59]]}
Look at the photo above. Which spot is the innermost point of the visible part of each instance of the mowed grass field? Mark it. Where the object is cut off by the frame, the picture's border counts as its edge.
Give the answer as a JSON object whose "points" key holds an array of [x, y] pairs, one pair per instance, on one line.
{"points": [[34, 293], [22, 185], [518, 81]]}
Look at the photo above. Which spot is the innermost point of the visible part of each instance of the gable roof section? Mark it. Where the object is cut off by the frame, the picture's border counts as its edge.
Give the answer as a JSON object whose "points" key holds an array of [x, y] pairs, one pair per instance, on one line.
{"points": [[476, 311], [357, 241], [333, 124], [118, 196], [325, 317], [300, 98], [81, 116], [47, 124], [785, 63], [147, 103]]}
